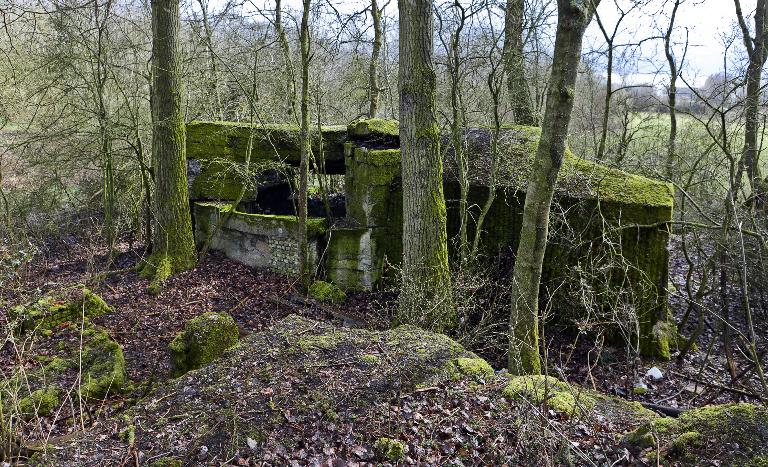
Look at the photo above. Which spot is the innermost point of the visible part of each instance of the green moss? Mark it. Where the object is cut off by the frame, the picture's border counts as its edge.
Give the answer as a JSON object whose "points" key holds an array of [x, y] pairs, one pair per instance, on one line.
{"points": [[323, 341], [315, 225], [40, 402], [758, 461], [128, 434], [374, 127], [389, 449], [685, 441], [57, 365], [665, 337], [682, 439], [167, 462], [327, 292], [102, 366], [473, 367], [48, 313], [615, 185], [162, 271], [91, 304], [558, 395], [203, 340], [369, 358]]}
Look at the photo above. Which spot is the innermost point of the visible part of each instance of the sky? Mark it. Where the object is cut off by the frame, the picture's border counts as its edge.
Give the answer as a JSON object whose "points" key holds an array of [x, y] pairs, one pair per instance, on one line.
{"points": [[708, 24], [705, 23]]}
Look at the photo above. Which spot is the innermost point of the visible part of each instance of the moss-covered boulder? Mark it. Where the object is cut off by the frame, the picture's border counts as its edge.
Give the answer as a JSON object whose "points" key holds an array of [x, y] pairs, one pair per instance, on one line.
{"points": [[566, 399], [68, 365], [326, 292], [731, 434], [49, 312], [203, 340], [102, 363]]}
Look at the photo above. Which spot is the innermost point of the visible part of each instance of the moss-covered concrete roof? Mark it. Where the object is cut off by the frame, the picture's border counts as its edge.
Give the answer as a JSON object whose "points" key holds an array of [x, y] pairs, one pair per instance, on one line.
{"points": [[579, 178]]}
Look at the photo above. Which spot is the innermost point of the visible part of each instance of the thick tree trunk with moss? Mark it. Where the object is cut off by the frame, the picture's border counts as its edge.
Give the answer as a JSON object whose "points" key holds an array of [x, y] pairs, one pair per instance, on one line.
{"points": [[304, 271], [573, 18], [514, 65], [425, 297], [373, 69], [174, 246]]}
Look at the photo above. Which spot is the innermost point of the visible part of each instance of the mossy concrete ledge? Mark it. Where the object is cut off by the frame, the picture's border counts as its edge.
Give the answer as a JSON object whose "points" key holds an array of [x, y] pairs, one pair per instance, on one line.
{"points": [[202, 341], [256, 240]]}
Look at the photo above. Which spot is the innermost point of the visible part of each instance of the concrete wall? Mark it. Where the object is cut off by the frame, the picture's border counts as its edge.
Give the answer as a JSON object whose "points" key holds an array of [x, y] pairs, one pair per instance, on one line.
{"points": [[256, 240]]}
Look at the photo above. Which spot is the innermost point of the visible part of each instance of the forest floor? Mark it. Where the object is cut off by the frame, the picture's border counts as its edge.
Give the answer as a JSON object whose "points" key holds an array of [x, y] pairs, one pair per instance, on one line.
{"points": [[144, 325]]}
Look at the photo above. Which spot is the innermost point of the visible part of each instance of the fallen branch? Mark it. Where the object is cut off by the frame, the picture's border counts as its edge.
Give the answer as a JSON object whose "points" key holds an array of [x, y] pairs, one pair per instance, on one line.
{"points": [[663, 409], [719, 386]]}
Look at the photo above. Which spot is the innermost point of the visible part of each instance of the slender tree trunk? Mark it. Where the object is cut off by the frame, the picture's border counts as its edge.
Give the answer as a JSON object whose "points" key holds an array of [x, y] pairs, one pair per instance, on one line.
{"points": [[425, 297], [750, 159], [285, 47], [606, 104], [458, 125], [373, 70], [514, 65], [304, 270], [213, 79], [671, 94], [101, 16], [174, 246], [573, 18]]}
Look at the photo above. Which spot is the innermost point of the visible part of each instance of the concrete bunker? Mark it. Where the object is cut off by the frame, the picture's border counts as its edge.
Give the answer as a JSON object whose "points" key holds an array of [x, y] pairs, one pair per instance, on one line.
{"points": [[599, 209]]}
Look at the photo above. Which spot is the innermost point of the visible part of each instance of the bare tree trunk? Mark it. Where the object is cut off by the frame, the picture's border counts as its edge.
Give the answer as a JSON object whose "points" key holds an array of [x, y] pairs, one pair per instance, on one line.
{"points": [[174, 246], [285, 47], [213, 83], [514, 64], [750, 159], [425, 297], [458, 125], [573, 18], [304, 269], [101, 16], [373, 70], [671, 93]]}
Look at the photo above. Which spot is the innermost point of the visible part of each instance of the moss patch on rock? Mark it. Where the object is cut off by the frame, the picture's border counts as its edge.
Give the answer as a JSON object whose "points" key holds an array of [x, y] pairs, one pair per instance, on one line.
{"points": [[557, 394], [326, 292], [103, 365], [697, 432], [75, 356], [390, 449], [40, 402], [203, 340], [49, 312]]}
